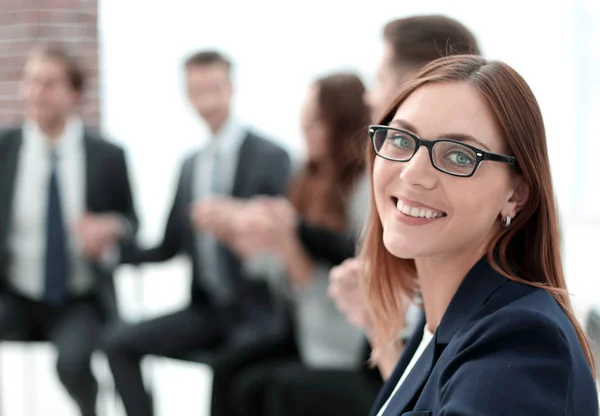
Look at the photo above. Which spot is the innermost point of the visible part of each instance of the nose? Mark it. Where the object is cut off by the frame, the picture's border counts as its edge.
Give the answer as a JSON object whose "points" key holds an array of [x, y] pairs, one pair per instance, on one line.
{"points": [[418, 171]]}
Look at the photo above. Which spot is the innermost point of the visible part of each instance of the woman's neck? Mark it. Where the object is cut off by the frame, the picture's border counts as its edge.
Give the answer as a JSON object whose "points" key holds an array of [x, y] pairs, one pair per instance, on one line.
{"points": [[439, 279]]}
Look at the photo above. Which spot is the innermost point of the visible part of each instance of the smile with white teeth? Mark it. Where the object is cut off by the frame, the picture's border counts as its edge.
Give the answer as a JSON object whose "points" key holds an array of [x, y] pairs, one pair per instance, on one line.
{"points": [[417, 212]]}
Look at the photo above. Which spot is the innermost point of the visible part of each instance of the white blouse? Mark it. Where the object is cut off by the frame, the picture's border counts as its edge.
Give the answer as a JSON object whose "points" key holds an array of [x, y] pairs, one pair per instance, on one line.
{"points": [[427, 336]]}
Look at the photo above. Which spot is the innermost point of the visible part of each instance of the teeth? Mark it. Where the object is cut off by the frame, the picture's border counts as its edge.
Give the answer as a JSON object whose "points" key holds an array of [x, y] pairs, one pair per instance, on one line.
{"points": [[417, 212]]}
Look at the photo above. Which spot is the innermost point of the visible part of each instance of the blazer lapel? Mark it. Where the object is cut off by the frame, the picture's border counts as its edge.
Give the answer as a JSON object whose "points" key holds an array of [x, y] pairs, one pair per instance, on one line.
{"points": [[408, 352], [92, 173], [413, 382], [9, 158], [476, 288], [242, 173]]}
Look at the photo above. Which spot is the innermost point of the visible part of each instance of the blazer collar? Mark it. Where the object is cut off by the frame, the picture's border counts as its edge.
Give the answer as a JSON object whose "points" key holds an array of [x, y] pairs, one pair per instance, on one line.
{"points": [[409, 350], [10, 147], [476, 288], [244, 165]]}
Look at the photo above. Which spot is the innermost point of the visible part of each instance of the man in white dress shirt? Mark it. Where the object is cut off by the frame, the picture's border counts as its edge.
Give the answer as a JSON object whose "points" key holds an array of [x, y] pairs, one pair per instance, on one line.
{"points": [[65, 205]]}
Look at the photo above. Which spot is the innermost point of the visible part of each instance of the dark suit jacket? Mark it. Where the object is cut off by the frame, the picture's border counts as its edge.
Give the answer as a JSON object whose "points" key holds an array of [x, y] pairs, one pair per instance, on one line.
{"points": [[502, 348], [263, 169], [107, 190]]}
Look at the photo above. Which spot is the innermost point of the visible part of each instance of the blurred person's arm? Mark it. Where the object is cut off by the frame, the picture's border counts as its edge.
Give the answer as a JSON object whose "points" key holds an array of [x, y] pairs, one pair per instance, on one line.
{"points": [[275, 222], [336, 247], [278, 174], [106, 234], [348, 289], [299, 265], [126, 208], [175, 229], [321, 243], [316, 242]]}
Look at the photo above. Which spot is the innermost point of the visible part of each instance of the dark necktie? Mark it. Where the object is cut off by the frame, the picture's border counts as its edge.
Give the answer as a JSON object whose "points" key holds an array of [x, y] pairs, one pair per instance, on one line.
{"points": [[56, 262]]}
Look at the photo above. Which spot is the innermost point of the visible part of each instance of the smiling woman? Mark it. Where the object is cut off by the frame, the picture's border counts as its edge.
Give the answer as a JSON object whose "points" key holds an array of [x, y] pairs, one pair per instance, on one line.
{"points": [[468, 218]]}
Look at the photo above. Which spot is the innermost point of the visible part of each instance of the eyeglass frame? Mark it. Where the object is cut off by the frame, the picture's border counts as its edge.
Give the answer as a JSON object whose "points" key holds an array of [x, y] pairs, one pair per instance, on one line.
{"points": [[480, 154]]}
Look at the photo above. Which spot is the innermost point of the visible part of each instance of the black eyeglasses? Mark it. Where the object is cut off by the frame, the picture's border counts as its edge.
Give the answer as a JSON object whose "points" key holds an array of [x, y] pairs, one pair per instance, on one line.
{"points": [[449, 156]]}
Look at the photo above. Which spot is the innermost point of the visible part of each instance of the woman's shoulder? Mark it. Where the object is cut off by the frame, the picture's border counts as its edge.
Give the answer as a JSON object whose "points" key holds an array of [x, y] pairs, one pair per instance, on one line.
{"points": [[516, 308], [526, 349]]}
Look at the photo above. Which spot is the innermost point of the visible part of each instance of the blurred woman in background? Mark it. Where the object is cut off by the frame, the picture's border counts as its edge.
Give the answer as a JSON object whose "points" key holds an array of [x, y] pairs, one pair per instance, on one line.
{"points": [[322, 370]]}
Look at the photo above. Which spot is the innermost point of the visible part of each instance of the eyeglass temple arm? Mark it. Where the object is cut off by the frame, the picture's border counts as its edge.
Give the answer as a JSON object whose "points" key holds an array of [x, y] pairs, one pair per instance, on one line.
{"points": [[498, 158]]}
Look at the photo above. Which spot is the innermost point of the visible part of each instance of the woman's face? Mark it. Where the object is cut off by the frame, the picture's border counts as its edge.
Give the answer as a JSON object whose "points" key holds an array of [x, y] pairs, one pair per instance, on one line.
{"points": [[314, 127], [465, 212]]}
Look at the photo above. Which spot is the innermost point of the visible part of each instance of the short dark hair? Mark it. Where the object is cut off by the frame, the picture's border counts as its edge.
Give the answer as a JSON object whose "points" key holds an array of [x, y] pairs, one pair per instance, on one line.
{"points": [[75, 72], [204, 58], [418, 40]]}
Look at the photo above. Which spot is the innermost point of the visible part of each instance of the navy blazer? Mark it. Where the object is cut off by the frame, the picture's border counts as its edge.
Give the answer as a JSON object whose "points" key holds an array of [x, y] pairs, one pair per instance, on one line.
{"points": [[502, 349]]}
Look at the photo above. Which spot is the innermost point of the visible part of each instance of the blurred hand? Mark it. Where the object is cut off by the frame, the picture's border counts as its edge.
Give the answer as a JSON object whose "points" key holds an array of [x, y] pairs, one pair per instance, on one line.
{"points": [[246, 226], [98, 232], [272, 220], [256, 229], [215, 215], [347, 287], [282, 212]]}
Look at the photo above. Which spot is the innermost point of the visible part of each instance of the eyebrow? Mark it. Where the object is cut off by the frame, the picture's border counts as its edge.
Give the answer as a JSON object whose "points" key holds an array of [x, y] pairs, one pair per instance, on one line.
{"points": [[460, 137]]}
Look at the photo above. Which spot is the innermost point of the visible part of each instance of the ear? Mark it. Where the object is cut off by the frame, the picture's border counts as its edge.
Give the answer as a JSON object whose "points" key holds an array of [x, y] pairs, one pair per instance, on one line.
{"points": [[517, 199]]}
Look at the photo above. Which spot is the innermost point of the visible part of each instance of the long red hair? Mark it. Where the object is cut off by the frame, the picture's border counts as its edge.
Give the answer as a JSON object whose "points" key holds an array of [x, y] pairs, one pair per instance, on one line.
{"points": [[531, 244]]}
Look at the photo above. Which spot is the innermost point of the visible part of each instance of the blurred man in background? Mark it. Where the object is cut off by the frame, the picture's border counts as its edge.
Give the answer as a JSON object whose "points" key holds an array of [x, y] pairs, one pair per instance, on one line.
{"points": [[65, 204], [411, 43], [228, 311]]}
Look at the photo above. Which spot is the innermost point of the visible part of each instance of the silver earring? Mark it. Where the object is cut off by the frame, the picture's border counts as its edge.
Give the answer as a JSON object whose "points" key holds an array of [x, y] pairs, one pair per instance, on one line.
{"points": [[506, 221]]}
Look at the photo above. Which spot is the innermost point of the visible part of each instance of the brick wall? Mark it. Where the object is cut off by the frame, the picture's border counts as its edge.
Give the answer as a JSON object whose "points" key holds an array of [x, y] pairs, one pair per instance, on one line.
{"points": [[23, 23]]}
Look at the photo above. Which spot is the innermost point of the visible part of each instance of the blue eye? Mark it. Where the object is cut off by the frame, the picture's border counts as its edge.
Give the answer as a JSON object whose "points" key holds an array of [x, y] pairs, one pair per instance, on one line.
{"points": [[403, 142], [460, 158]]}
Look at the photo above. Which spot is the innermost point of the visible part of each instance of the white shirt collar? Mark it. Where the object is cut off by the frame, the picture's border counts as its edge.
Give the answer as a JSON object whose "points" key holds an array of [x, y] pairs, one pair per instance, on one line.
{"points": [[69, 140], [229, 136]]}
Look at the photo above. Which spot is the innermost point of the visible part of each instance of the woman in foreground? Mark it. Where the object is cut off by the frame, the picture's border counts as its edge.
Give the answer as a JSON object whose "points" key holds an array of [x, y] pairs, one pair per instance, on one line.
{"points": [[464, 217]]}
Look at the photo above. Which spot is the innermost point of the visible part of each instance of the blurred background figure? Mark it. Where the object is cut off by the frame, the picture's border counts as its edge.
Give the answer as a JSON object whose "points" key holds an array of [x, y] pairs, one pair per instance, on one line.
{"points": [[319, 372], [227, 311], [409, 44], [66, 205]]}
